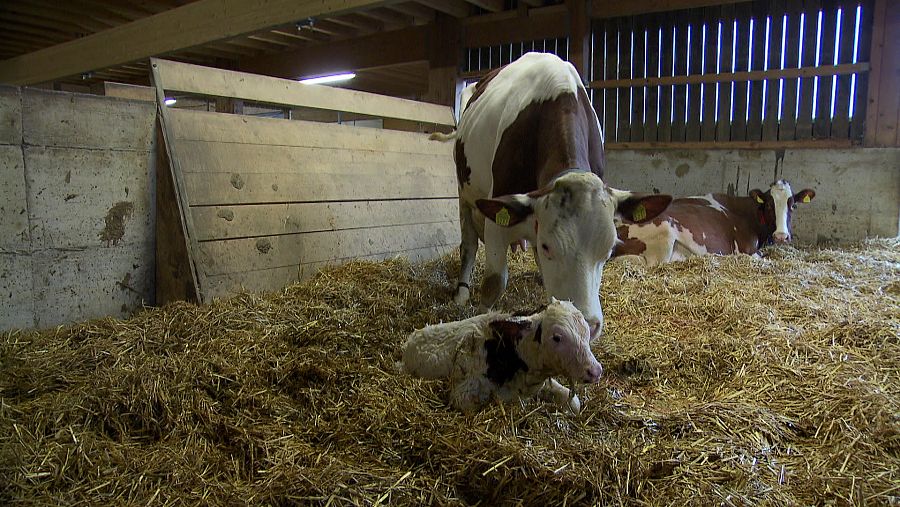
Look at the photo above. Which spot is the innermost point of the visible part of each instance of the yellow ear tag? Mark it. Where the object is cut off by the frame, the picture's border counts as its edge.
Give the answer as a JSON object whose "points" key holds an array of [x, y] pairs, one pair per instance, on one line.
{"points": [[759, 199], [639, 213], [806, 198], [502, 217]]}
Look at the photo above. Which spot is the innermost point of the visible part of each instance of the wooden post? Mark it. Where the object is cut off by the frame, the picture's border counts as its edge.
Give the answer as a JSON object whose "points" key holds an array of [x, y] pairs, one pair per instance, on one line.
{"points": [[883, 104], [580, 36], [444, 57]]}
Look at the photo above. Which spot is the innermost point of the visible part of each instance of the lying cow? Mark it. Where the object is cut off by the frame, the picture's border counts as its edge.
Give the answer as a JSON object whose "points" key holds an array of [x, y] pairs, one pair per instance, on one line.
{"points": [[529, 157], [713, 224], [507, 357]]}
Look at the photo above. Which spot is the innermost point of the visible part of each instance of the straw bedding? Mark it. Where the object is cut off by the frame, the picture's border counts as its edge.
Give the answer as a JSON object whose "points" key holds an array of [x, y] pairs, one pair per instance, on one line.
{"points": [[728, 380]]}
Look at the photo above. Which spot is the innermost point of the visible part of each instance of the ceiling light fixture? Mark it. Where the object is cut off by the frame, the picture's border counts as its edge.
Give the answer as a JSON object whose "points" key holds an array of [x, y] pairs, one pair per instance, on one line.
{"points": [[334, 78], [169, 101]]}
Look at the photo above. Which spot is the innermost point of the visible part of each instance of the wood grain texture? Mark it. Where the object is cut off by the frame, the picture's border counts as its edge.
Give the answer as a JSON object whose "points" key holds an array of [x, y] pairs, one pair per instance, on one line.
{"points": [[201, 80]]}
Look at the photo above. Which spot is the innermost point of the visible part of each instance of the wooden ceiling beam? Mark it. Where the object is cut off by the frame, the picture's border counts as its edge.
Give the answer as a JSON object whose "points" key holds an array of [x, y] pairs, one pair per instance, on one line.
{"points": [[617, 8], [390, 19], [53, 12], [456, 8], [358, 22], [419, 13], [377, 50], [545, 23], [488, 5], [209, 20]]}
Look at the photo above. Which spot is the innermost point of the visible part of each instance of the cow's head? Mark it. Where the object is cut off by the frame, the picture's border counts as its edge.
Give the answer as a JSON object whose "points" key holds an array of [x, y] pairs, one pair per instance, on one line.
{"points": [[571, 225], [775, 206]]}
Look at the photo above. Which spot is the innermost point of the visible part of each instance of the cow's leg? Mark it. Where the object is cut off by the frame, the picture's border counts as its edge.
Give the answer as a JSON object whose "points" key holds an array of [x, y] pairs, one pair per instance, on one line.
{"points": [[468, 248], [561, 395], [496, 270]]}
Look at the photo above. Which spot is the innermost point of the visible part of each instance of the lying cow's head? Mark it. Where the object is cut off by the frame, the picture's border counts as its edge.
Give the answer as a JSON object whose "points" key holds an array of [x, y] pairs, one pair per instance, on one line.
{"points": [[775, 208], [571, 225]]}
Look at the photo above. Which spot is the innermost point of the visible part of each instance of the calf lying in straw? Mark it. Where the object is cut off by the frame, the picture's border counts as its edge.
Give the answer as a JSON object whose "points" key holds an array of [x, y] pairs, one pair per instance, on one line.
{"points": [[504, 356]]}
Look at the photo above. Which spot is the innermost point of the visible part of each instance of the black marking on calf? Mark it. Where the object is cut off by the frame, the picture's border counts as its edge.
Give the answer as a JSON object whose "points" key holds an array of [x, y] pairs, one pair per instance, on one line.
{"points": [[503, 361]]}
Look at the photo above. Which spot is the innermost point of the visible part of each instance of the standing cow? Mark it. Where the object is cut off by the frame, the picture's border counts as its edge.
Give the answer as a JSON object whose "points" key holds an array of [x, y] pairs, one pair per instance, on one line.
{"points": [[529, 157], [713, 224]]}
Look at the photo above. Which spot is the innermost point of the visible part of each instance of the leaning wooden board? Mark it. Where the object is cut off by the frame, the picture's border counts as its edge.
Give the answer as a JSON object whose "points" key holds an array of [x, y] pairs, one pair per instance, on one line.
{"points": [[266, 202]]}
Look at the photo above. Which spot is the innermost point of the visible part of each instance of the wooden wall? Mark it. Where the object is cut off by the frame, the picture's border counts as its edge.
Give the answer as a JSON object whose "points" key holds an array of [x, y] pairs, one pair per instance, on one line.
{"points": [[76, 207], [266, 202]]}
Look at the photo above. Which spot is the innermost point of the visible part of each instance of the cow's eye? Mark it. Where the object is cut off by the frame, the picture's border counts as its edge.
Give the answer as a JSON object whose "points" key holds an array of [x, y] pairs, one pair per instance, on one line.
{"points": [[545, 247], [557, 338], [793, 206]]}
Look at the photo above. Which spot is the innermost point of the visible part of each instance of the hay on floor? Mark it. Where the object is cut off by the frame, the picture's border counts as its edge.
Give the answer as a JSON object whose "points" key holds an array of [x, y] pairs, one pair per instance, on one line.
{"points": [[729, 380]]}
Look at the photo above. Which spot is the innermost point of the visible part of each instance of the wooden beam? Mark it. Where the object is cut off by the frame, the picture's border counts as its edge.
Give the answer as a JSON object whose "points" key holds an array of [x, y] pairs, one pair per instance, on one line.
{"points": [[549, 23], [579, 37], [617, 8], [733, 145], [209, 20], [377, 50], [419, 13], [488, 5], [726, 77], [455, 8]]}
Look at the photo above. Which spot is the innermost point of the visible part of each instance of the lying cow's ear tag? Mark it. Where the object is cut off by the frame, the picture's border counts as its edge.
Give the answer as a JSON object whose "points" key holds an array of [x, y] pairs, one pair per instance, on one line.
{"points": [[502, 217], [759, 199], [806, 198], [639, 213]]}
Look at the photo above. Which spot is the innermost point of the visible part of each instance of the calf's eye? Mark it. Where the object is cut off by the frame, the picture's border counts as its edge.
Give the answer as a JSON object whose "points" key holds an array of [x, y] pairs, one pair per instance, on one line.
{"points": [[557, 338]]}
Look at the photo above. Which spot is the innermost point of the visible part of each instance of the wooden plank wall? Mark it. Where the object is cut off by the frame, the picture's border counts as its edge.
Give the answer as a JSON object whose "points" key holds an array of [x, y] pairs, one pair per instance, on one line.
{"points": [[266, 202], [750, 74]]}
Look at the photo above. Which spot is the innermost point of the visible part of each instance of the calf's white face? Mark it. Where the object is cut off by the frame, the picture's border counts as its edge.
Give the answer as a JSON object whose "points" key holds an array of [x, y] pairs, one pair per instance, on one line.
{"points": [[778, 203], [565, 340], [571, 226]]}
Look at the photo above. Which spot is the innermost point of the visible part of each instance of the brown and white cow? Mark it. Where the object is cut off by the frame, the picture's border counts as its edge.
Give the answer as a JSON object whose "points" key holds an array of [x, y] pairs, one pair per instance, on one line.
{"points": [[713, 224], [529, 157]]}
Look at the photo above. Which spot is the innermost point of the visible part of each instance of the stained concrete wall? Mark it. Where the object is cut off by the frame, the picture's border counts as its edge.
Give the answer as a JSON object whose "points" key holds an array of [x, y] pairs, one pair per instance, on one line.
{"points": [[77, 202], [857, 190]]}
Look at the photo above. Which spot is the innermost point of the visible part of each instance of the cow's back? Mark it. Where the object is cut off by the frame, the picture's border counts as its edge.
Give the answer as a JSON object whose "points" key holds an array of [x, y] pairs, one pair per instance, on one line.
{"points": [[524, 124]]}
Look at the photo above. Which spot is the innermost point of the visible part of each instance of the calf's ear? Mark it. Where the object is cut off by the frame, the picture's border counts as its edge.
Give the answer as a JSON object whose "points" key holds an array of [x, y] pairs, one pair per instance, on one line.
{"points": [[640, 208], [805, 195], [510, 329], [506, 210]]}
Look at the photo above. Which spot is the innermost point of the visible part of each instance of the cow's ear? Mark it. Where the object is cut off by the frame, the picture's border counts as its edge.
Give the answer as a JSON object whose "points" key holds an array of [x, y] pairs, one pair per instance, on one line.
{"points": [[640, 208], [758, 196], [507, 210], [512, 329], [804, 195]]}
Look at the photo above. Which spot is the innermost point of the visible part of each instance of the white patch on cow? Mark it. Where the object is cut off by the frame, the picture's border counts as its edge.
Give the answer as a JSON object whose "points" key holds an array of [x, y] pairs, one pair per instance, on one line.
{"points": [[781, 192], [713, 203], [666, 242], [533, 78]]}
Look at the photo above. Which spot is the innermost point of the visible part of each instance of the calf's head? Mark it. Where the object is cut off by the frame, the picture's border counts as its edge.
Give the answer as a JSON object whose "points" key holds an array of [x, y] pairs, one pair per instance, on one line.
{"points": [[555, 342], [775, 206], [571, 224]]}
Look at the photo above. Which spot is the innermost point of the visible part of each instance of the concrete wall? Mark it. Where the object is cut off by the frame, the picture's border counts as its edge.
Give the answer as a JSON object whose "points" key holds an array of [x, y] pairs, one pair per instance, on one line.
{"points": [[857, 190], [77, 177]]}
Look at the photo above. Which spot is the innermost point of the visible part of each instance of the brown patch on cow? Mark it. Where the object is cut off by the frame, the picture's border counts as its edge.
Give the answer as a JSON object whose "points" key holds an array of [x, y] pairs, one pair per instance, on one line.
{"points": [[544, 140], [628, 246], [481, 86], [225, 214], [236, 181], [463, 171], [115, 220], [263, 246]]}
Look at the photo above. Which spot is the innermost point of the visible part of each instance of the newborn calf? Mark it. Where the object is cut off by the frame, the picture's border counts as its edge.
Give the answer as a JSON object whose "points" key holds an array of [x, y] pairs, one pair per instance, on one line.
{"points": [[505, 356]]}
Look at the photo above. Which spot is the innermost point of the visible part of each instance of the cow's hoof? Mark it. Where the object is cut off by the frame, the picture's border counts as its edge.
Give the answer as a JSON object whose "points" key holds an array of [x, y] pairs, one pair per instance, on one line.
{"points": [[575, 405], [462, 296]]}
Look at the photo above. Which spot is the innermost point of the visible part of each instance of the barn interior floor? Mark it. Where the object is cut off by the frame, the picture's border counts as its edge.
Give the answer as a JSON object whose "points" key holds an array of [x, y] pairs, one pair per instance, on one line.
{"points": [[729, 380]]}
